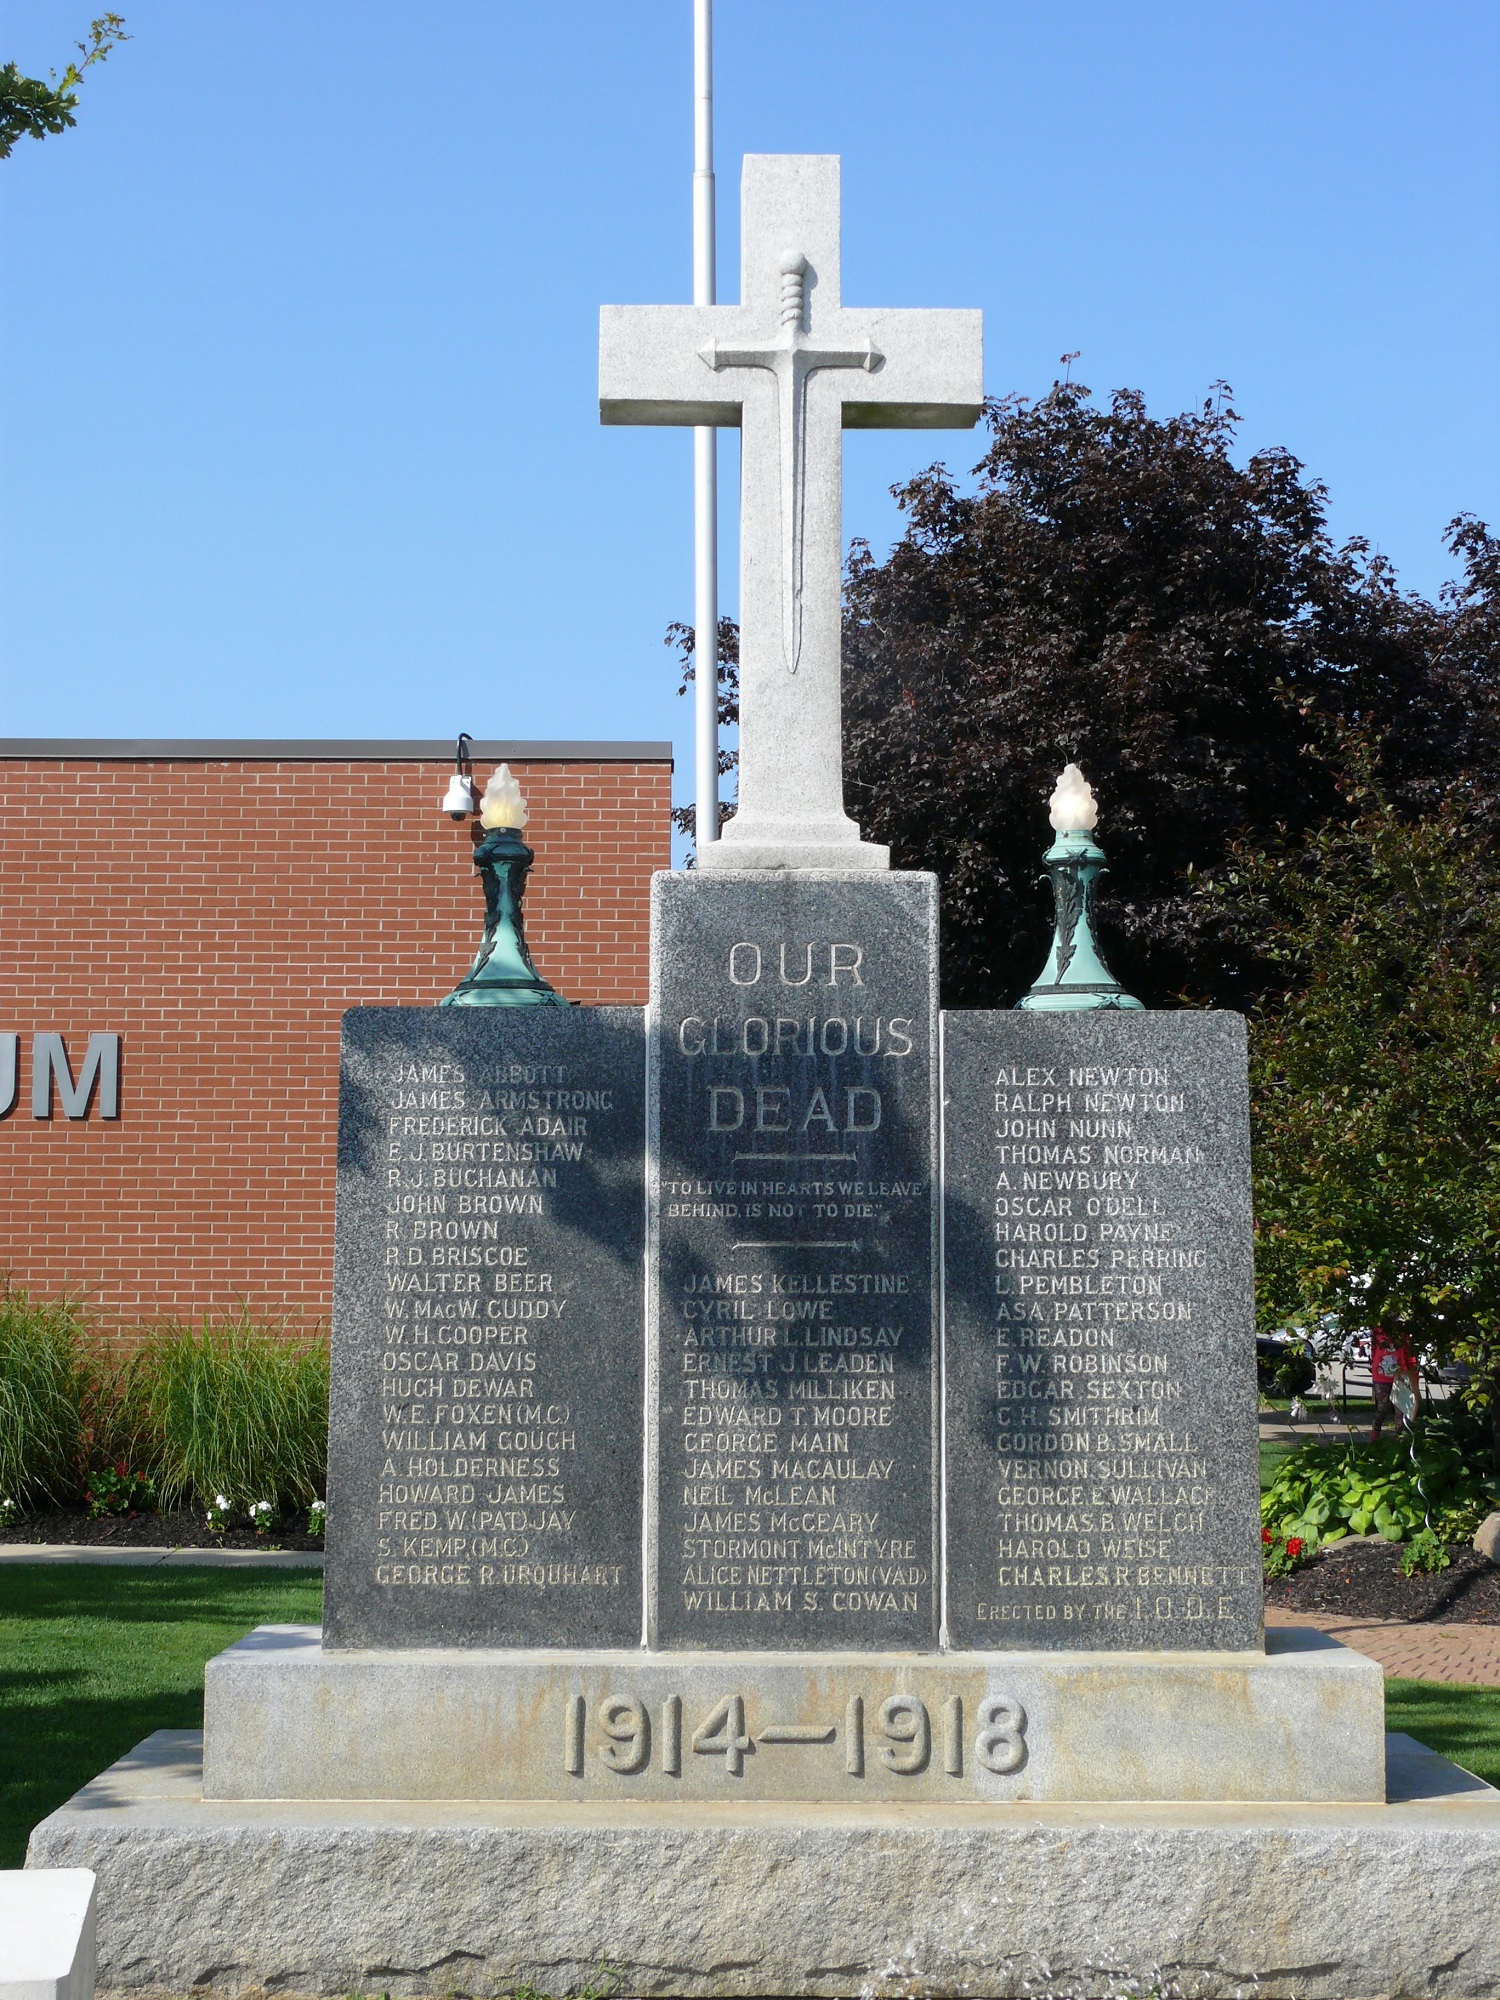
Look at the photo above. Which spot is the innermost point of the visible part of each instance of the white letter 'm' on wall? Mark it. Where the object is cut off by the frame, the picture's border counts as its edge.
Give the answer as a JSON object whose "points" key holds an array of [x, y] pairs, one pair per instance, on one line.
{"points": [[49, 1061]]}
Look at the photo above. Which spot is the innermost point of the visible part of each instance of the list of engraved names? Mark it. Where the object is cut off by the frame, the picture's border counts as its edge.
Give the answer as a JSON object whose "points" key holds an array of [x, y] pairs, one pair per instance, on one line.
{"points": [[505, 1358], [1105, 1446]]}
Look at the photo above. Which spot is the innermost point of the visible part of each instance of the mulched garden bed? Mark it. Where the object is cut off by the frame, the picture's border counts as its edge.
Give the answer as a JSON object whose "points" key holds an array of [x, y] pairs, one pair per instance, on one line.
{"points": [[170, 1531], [1363, 1580]]}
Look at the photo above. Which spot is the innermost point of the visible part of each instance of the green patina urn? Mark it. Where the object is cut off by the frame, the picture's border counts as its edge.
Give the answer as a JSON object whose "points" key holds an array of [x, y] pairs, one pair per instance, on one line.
{"points": [[502, 974], [1075, 977]]}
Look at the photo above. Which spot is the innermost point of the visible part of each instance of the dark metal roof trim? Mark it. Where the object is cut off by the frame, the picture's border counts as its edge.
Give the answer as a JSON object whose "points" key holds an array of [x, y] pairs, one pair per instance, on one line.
{"points": [[270, 750]]}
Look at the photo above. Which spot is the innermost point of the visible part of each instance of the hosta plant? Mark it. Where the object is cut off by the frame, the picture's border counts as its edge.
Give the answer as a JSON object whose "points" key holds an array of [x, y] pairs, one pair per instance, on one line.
{"points": [[1395, 1488]]}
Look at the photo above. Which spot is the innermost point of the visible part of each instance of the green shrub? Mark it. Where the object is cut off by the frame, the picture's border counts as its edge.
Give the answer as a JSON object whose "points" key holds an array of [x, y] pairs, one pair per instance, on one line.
{"points": [[115, 1489], [1427, 1552], [45, 1387], [1322, 1491], [231, 1408]]}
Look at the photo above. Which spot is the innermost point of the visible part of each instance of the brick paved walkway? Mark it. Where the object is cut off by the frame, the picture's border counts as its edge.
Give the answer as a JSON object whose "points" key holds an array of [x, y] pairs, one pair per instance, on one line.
{"points": [[1466, 1653]]}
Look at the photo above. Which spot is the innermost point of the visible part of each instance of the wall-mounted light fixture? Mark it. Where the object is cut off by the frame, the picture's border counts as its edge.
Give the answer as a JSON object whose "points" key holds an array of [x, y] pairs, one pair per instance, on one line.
{"points": [[460, 800]]}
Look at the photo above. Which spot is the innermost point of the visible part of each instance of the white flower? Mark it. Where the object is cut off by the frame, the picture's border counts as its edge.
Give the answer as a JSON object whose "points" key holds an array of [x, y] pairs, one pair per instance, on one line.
{"points": [[221, 1500]]}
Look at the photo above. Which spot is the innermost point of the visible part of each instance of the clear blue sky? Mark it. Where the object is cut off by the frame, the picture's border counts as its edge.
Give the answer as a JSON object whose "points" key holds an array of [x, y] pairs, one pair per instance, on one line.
{"points": [[300, 430]]}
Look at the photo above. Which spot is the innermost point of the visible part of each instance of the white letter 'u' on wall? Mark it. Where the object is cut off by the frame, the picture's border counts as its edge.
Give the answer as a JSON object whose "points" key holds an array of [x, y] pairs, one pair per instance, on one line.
{"points": [[10, 1044]]}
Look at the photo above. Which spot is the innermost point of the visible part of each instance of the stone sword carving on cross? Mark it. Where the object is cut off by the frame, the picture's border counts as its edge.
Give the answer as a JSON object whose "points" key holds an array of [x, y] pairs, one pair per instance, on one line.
{"points": [[790, 359], [791, 367]]}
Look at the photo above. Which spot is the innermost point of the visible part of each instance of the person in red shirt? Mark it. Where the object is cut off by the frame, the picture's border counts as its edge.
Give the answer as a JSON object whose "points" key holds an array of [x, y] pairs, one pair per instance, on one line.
{"points": [[1391, 1358]]}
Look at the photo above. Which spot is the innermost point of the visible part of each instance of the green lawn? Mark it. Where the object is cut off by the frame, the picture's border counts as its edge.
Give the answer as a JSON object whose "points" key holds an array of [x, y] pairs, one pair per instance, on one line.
{"points": [[93, 1658], [1459, 1722]]}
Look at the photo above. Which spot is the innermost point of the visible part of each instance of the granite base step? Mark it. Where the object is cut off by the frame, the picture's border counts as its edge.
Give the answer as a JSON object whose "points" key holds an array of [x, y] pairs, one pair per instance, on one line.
{"points": [[993, 1902], [1303, 1720]]}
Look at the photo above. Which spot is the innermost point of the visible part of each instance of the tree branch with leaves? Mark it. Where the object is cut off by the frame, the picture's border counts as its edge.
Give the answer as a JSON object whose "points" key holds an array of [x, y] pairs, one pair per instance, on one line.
{"points": [[1375, 1073], [1117, 591], [684, 641], [32, 109]]}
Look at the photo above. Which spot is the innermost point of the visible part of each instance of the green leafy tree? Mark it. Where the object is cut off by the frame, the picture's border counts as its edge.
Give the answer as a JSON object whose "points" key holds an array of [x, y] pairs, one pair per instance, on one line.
{"points": [[32, 109], [683, 641], [1375, 1073], [1118, 592]]}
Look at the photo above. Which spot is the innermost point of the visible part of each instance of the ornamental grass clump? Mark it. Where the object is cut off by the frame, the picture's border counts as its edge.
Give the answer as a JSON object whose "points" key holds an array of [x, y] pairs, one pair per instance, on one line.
{"points": [[46, 1387], [235, 1411]]}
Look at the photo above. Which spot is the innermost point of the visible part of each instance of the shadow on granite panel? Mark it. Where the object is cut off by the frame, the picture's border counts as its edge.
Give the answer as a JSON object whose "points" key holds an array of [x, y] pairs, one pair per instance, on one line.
{"points": [[485, 1436], [794, 1123]]}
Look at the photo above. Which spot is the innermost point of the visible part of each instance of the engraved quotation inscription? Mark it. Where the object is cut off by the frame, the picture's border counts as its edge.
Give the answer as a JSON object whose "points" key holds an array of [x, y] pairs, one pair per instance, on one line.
{"points": [[1105, 1433], [795, 1298], [499, 1441]]}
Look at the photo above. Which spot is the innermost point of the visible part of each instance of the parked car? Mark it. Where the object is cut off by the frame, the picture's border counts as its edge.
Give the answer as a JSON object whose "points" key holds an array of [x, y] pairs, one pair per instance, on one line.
{"points": [[1283, 1366]]}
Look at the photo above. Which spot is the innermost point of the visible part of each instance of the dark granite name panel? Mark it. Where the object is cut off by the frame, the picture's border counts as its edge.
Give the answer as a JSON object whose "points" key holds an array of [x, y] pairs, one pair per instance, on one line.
{"points": [[486, 1428], [1101, 1434], [794, 1211]]}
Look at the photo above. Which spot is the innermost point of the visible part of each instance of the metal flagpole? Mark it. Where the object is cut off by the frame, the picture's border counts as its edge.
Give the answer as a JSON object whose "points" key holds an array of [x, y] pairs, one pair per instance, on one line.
{"points": [[705, 444]]}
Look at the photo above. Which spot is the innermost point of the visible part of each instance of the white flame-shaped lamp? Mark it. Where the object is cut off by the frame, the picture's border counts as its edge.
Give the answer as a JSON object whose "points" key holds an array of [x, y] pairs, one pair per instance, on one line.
{"points": [[502, 974], [1075, 977]]}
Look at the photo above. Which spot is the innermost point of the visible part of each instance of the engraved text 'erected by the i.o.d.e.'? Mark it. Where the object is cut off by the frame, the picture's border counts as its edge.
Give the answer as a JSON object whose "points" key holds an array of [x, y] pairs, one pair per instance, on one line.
{"points": [[794, 1298], [485, 1446], [1102, 1482]]}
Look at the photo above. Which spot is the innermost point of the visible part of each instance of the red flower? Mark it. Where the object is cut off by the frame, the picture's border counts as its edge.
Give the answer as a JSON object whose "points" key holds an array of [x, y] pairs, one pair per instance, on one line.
{"points": [[1267, 1537], [1294, 1545]]}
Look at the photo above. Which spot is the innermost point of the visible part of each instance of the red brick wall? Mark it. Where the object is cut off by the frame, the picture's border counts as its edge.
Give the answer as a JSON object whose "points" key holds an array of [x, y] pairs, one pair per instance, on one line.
{"points": [[220, 917]]}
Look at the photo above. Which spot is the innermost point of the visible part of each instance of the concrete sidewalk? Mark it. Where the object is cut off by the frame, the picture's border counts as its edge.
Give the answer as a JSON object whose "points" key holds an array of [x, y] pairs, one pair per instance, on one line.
{"points": [[98, 1552], [1324, 1425], [1319, 1427]]}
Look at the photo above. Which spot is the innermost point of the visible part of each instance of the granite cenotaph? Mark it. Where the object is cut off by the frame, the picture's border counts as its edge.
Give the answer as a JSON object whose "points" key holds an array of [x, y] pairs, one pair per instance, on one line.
{"points": [[792, 1474]]}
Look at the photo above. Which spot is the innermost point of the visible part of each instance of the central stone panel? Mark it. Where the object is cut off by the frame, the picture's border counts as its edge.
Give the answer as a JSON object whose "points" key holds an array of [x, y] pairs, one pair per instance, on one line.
{"points": [[793, 1338]]}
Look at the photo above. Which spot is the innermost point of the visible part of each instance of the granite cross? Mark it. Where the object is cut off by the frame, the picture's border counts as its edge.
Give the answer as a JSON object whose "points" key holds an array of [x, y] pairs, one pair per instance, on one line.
{"points": [[791, 367]]}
